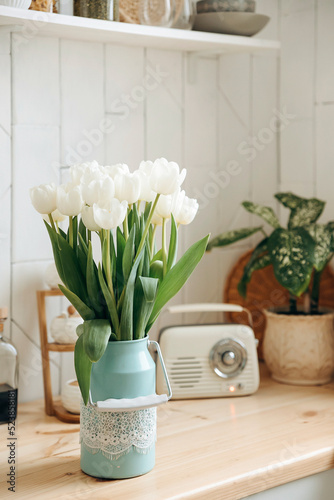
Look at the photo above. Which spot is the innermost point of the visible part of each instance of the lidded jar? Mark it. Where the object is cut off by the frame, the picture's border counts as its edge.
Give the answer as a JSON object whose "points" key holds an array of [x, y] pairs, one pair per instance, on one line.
{"points": [[8, 374]]}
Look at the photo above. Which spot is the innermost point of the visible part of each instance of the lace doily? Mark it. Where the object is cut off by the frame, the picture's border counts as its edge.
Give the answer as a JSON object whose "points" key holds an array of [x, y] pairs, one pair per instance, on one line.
{"points": [[116, 433]]}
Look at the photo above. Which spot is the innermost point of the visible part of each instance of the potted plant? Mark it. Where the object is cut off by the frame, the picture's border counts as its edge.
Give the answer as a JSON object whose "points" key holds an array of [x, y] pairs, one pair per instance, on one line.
{"points": [[119, 294], [298, 344]]}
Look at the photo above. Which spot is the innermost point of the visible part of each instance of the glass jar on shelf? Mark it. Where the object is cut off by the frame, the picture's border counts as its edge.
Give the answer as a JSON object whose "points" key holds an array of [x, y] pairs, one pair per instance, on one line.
{"points": [[157, 12], [107, 10], [185, 11], [8, 375]]}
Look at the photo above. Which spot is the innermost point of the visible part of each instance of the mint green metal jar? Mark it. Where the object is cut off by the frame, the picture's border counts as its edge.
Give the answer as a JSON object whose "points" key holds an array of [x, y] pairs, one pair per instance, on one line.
{"points": [[116, 445]]}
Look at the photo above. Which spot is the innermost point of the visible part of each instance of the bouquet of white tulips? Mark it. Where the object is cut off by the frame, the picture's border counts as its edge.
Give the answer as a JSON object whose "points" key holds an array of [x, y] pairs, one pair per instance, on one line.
{"points": [[121, 296]]}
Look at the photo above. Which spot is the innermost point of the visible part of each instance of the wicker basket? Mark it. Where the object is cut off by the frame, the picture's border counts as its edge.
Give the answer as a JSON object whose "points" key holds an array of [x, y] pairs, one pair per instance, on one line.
{"points": [[264, 292]]}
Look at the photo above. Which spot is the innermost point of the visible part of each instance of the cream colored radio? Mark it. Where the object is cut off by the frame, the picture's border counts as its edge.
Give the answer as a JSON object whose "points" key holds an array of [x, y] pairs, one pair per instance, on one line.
{"points": [[216, 360]]}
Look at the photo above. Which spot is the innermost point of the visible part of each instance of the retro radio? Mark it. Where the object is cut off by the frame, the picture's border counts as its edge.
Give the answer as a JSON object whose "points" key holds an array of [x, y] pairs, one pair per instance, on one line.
{"points": [[215, 360]]}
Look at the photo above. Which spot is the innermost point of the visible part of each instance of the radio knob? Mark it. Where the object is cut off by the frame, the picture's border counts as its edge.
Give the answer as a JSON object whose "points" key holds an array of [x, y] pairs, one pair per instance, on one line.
{"points": [[228, 358]]}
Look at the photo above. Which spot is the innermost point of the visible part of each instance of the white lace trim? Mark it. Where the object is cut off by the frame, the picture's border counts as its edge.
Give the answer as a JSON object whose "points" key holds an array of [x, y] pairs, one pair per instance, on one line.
{"points": [[114, 434]]}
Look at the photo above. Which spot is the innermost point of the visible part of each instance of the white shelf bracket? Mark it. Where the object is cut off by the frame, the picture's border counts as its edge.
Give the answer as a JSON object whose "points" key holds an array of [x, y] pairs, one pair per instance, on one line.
{"points": [[10, 28]]}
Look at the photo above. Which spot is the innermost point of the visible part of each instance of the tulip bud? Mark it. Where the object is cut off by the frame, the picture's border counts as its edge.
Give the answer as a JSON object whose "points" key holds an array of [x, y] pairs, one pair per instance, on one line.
{"points": [[87, 216], [69, 199], [119, 168], [98, 191], [110, 214], [127, 187], [44, 198], [146, 193], [185, 209], [165, 177]]}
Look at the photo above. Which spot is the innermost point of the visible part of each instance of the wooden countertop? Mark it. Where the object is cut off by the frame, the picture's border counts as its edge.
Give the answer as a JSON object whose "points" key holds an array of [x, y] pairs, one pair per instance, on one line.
{"points": [[206, 449]]}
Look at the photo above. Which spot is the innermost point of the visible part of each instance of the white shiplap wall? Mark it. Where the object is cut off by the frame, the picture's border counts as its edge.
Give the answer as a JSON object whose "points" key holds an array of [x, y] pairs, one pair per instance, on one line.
{"points": [[54, 95]]}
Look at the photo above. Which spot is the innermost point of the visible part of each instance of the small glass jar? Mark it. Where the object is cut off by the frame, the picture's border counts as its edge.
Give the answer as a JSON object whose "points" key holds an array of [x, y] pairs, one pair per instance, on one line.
{"points": [[107, 10], [8, 375], [184, 15], [157, 12]]}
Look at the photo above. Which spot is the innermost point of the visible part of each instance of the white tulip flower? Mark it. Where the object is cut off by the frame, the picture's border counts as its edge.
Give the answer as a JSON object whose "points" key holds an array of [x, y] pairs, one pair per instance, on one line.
{"points": [[77, 171], [93, 172], [98, 191], [146, 193], [69, 199], [110, 214], [146, 167], [185, 209], [165, 177], [165, 206], [56, 216], [44, 198], [127, 187], [119, 168], [87, 215], [156, 219]]}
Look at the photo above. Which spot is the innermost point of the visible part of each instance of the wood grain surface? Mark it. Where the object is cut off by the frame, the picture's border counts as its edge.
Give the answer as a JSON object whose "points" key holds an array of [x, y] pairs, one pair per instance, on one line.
{"points": [[207, 449]]}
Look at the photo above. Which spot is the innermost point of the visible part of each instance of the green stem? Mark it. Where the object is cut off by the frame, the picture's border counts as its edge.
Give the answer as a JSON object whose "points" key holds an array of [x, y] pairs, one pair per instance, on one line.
{"points": [[148, 222], [153, 241], [164, 249], [89, 235], [52, 222], [70, 230], [126, 226], [264, 233], [109, 275], [315, 291]]}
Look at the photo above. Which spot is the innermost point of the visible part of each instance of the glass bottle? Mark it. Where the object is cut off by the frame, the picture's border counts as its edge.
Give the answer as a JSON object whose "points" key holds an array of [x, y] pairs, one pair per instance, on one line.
{"points": [[184, 15], [8, 375], [157, 12]]}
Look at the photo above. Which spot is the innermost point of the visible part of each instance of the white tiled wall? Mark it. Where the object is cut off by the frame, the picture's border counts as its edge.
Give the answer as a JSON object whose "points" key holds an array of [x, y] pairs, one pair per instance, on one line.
{"points": [[56, 95]]}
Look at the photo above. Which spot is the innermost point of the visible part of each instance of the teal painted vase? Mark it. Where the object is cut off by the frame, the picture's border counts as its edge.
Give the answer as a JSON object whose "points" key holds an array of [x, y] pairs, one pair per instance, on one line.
{"points": [[116, 445]]}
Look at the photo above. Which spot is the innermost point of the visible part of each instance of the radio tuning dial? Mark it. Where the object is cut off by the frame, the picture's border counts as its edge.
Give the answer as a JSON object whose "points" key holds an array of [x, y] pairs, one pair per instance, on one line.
{"points": [[228, 358]]}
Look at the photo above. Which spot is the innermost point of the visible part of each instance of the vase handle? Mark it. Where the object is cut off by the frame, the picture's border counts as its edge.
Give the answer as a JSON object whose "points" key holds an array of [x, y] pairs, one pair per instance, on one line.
{"points": [[163, 366]]}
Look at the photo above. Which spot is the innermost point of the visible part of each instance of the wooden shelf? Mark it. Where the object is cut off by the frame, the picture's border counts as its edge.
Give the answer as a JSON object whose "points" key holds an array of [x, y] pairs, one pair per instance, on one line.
{"points": [[52, 346], [93, 30], [51, 407]]}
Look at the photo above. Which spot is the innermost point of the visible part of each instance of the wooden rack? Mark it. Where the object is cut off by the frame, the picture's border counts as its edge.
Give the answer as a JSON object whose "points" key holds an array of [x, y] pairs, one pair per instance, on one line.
{"points": [[51, 407]]}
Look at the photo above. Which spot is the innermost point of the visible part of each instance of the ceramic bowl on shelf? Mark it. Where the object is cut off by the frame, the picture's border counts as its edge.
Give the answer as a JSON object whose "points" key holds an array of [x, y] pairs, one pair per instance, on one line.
{"points": [[231, 23], [18, 4], [204, 6], [63, 328], [71, 397]]}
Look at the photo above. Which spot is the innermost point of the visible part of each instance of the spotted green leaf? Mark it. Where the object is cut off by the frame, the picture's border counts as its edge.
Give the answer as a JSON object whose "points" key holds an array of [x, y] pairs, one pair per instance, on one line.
{"points": [[266, 213], [230, 237]]}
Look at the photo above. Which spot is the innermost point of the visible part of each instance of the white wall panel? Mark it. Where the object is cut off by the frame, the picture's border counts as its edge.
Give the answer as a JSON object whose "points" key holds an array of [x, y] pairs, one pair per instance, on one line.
{"points": [[297, 56], [125, 96], [82, 101], [35, 152], [325, 51], [325, 156], [5, 94], [36, 82]]}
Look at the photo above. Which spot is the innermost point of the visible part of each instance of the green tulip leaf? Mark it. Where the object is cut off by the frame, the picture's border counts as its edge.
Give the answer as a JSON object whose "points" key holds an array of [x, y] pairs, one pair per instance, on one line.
{"points": [[85, 312], [126, 323], [96, 337], [93, 288], [110, 301], [173, 243], [177, 277], [129, 253], [145, 294], [83, 368]]}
